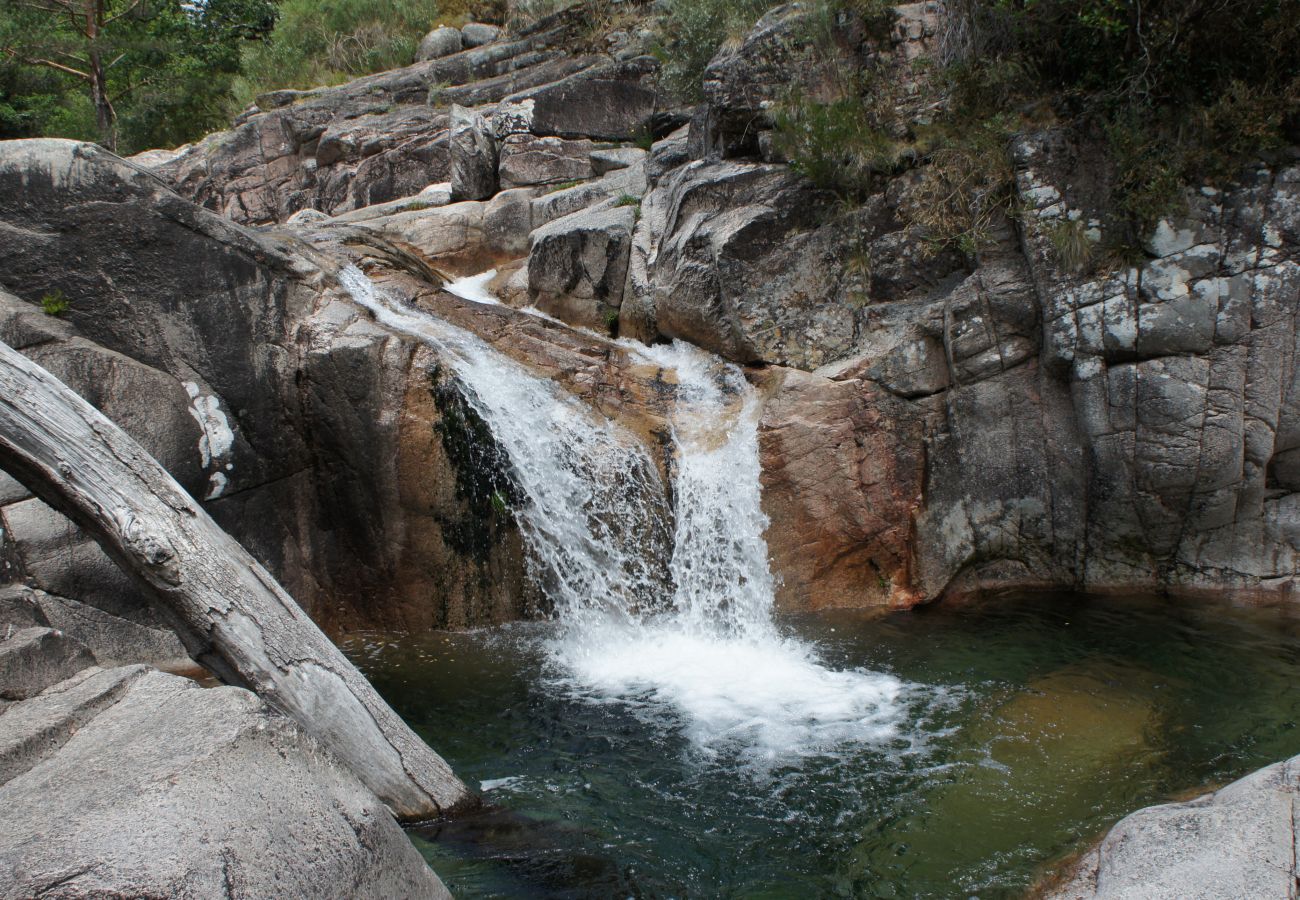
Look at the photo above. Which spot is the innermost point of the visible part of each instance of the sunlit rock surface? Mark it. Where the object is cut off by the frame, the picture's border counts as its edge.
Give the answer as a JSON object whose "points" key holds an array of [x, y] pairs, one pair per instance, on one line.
{"points": [[132, 783], [1239, 841]]}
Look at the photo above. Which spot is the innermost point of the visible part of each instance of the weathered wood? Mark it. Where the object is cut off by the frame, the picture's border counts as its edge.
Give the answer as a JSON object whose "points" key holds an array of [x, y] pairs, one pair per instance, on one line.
{"points": [[230, 613]]}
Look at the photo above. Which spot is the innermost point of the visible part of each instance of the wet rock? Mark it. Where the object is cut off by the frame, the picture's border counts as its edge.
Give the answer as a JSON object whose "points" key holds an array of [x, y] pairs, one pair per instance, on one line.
{"points": [[842, 471], [438, 43], [171, 299], [473, 156], [178, 790], [577, 265]]}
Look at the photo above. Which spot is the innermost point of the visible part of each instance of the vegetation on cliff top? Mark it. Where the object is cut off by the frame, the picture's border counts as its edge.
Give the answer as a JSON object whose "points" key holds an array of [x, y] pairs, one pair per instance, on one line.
{"points": [[1176, 91]]}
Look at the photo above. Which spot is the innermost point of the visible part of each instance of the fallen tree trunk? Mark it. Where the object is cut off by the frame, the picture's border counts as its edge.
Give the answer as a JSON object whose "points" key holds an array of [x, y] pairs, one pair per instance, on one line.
{"points": [[232, 616]]}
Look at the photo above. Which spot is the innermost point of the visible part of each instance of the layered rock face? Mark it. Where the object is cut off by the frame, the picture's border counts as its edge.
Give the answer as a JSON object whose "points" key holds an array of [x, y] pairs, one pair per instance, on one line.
{"points": [[995, 421], [387, 136], [237, 361], [937, 423]]}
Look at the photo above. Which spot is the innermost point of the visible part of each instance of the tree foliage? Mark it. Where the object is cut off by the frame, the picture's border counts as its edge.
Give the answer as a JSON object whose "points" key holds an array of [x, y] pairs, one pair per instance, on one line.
{"points": [[128, 73]]}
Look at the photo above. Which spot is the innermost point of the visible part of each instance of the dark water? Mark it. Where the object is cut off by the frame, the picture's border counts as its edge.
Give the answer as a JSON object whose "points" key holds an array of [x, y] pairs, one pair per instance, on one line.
{"points": [[1032, 724]]}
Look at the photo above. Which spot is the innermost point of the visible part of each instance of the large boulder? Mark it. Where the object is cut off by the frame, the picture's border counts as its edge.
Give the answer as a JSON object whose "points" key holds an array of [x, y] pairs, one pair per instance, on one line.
{"points": [[438, 43], [473, 156], [1236, 842], [237, 360], [178, 791], [747, 261], [530, 160], [613, 102], [577, 265]]}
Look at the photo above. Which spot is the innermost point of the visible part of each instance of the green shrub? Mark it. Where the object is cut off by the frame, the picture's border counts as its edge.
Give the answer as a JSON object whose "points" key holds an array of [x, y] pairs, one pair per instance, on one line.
{"points": [[1183, 91], [690, 32], [54, 303], [840, 146], [1074, 249], [564, 186]]}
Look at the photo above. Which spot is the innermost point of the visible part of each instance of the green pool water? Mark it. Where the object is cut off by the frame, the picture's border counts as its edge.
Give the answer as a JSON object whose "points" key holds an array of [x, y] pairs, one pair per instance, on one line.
{"points": [[1023, 728]]}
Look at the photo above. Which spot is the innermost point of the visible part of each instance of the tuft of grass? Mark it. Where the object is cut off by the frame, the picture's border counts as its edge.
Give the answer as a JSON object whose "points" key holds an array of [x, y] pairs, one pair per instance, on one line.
{"points": [[1074, 250], [53, 303], [628, 200], [611, 322], [564, 186]]}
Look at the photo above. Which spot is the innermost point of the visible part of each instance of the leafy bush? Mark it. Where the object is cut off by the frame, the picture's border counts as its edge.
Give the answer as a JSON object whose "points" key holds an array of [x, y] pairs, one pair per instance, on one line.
{"points": [[840, 146], [1183, 91], [690, 32]]}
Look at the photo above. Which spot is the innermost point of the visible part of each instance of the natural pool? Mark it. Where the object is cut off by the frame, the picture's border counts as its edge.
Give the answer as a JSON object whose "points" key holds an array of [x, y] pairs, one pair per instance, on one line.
{"points": [[1016, 732]]}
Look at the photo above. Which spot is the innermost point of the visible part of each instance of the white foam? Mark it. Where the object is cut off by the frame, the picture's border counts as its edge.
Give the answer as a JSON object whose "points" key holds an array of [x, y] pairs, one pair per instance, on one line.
{"points": [[474, 287], [761, 700]]}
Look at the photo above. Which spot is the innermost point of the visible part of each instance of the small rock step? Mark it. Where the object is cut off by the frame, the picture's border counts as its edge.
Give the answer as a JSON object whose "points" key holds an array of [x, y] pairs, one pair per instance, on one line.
{"points": [[33, 659], [36, 728]]}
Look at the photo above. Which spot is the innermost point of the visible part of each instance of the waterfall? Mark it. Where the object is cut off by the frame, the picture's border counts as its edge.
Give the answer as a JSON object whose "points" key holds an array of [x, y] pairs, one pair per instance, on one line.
{"points": [[676, 625]]}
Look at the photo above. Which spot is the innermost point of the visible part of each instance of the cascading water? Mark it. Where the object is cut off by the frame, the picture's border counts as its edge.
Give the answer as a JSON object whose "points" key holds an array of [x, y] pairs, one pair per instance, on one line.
{"points": [[709, 660]]}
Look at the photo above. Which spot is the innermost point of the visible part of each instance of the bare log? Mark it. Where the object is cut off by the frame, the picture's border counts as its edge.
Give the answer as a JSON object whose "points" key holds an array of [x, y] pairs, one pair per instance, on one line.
{"points": [[232, 616]]}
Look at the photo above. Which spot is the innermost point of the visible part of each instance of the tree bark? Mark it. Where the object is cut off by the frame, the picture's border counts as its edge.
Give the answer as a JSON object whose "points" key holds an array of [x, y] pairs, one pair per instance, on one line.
{"points": [[232, 616]]}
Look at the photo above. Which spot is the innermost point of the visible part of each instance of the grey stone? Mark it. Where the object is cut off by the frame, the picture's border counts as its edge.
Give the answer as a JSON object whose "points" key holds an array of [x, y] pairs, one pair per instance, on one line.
{"points": [[32, 659], [114, 641], [438, 43], [36, 728], [578, 264], [613, 186], [58, 557], [473, 156], [603, 161], [614, 101], [1236, 842], [507, 222], [476, 34], [179, 791], [751, 273], [307, 217], [528, 160]]}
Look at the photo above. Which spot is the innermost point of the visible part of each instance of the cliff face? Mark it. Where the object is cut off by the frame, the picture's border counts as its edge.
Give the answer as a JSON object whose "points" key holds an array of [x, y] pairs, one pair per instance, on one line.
{"points": [[935, 422]]}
